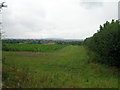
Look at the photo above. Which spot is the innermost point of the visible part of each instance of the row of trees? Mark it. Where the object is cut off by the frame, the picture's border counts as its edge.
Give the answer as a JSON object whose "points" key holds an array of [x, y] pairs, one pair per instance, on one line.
{"points": [[106, 43], [43, 41]]}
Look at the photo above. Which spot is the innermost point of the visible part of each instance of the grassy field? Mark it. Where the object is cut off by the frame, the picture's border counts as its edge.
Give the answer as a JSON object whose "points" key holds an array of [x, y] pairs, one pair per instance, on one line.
{"points": [[31, 47], [67, 67]]}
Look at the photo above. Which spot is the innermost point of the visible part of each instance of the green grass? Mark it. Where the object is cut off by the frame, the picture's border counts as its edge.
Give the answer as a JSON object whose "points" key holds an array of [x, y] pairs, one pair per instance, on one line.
{"points": [[64, 68], [31, 47]]}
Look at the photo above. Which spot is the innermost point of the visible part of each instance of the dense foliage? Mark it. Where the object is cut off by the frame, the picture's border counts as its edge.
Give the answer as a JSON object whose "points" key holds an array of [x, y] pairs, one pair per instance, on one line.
{"points": [[106, 43], [31, 47]]}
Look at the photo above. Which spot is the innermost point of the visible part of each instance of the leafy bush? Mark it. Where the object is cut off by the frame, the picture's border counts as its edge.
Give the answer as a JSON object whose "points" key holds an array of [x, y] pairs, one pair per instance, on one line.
{"points": [[106, 43]]}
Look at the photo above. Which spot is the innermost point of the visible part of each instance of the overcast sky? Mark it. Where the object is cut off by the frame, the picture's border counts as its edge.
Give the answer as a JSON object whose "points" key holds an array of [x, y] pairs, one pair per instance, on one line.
{"points": [[68, 19]]}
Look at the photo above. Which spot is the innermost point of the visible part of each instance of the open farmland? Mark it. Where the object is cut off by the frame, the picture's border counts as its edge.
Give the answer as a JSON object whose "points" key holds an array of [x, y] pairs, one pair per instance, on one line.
{"points": [[66, 67], [31, 47]]}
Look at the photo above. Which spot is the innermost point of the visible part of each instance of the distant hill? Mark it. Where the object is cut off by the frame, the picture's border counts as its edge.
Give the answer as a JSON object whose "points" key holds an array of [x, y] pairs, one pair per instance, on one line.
{"points": [[45, 41]]}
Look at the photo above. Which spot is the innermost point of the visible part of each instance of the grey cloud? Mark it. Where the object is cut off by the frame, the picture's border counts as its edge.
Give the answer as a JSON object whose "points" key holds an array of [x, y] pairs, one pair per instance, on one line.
{"points": [[91, 5], [20, 26], [58, 19]]}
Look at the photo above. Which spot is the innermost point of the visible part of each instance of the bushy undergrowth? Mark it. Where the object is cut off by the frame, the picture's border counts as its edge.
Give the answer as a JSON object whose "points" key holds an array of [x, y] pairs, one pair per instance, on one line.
{"points": [[12, 76], [106, 43]]}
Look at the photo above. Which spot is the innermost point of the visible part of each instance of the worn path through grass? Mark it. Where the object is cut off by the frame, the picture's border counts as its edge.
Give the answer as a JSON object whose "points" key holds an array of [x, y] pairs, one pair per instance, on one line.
{"points": [[65, 68]]}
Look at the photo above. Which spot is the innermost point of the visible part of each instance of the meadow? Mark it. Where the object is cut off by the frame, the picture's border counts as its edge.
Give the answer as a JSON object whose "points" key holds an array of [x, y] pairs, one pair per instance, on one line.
{"points": [[65, 67], [31, 47]]}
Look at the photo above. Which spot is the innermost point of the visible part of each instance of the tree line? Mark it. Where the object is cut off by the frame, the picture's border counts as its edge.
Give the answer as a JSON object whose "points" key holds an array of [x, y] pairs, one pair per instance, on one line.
{"points": [[43, 41], [106, 43]]}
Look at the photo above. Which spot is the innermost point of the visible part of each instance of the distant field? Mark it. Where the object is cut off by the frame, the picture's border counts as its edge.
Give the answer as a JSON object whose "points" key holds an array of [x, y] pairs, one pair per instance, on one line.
{"points": [[64, 68], [31, 47]]}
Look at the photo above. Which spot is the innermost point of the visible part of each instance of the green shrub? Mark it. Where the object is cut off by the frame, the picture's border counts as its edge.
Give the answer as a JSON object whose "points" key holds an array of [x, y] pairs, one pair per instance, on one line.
{"points": [[106, 43]]}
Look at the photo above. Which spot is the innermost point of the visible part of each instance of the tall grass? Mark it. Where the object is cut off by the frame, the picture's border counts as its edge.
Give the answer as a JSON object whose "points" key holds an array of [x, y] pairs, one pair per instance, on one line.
{"points": [[65, 68]]}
